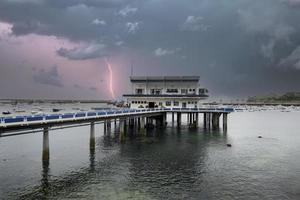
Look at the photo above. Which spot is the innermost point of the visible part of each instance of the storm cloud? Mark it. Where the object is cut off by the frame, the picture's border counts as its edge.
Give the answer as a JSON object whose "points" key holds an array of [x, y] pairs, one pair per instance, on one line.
{"points": [[50, 77], [239, 48]]}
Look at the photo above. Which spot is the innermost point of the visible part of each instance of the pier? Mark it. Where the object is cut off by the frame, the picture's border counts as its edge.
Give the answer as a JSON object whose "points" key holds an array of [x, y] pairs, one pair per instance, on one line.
{"points": [[131, 119]]}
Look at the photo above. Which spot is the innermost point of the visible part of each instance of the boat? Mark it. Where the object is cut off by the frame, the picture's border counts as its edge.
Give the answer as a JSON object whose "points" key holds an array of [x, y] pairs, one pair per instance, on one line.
{"points": [[56, 109], [6, 112]]}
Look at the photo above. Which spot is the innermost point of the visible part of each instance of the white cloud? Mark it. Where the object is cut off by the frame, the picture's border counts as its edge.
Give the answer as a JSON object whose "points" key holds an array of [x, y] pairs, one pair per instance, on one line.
{"points": [[132, 26], [194, 23], [163, 52], [127, 10], [98, 22], [85, 52]]}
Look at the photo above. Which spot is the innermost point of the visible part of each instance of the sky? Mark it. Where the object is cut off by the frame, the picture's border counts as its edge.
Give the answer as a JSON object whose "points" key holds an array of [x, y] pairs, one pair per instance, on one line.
{"points": [[57, 49]]}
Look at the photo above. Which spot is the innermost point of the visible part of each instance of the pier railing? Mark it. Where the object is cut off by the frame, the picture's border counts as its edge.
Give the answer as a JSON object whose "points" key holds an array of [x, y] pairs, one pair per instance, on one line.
{"points": [[100, 114]]}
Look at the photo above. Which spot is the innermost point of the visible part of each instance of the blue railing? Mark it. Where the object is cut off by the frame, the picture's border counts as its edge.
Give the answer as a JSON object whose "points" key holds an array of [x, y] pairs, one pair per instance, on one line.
{"points": [[44, 117]]}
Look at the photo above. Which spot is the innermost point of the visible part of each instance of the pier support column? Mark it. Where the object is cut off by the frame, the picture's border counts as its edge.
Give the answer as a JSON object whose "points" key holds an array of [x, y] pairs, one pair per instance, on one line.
{"points": [[122, 130], [105, 127], [92, 146], [197, 119], [205, 120], [209, 120], [46, 151], [142, 126], [215, 120], [225, 121], [178, 119], [164, 119], [92, 136], [173, 118], [108, 122]]}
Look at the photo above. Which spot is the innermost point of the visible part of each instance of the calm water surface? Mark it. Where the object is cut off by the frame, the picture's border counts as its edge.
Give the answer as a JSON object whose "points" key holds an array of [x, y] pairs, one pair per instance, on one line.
{"points": [[177, 164]]}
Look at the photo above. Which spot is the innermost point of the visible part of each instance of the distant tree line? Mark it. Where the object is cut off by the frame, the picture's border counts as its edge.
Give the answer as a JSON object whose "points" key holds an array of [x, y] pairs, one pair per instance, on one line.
{"points": [[287, 97]]}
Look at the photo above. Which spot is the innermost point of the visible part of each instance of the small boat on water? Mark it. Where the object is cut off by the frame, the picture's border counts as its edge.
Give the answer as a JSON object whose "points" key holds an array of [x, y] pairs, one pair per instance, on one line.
{"points": [[6, 112], [56, 109]]}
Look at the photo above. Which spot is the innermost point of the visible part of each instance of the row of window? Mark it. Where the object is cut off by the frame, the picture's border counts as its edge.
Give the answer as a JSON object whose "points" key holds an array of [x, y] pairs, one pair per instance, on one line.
{"points": [[139, 102], [168, 103], [158, 91]]}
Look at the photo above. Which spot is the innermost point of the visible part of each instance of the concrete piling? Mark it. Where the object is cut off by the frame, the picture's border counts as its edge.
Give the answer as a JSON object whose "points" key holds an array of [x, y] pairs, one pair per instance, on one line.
{"points": [[225, 121], [122, 130], [92, 136], [173, 118], [178, 119]]}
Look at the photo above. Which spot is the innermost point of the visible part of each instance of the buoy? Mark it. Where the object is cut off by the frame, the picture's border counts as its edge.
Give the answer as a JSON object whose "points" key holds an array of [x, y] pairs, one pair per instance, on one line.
{"points": [[260, 136], [229, 145]]}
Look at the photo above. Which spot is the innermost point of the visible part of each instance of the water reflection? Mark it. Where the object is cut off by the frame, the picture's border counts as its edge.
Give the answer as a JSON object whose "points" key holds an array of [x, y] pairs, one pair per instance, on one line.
{"points": [[45, 179], [175, 159]]}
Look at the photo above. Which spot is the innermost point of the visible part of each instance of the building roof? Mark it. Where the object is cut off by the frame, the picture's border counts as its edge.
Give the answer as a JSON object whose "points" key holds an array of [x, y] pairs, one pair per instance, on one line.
{"points": [[164, 78]]}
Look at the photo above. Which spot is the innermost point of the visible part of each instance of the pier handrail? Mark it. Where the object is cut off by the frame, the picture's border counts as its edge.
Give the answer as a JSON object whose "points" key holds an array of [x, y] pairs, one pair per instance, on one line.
{"points": [[91, 114]]}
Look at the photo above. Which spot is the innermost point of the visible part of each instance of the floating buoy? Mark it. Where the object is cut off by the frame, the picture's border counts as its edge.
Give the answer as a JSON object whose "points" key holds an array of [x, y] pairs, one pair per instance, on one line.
{"points": [[229, 145], [259, 136]]}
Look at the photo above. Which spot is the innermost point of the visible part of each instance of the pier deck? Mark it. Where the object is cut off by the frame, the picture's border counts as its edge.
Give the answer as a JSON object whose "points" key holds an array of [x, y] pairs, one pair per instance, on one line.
{"points": [[38, 121]]}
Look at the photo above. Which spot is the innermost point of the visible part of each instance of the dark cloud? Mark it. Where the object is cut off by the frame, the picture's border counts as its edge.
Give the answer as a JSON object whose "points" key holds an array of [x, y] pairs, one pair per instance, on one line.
{"points": [[50, 77], [236, 46], [83, 53], [93, 88]]}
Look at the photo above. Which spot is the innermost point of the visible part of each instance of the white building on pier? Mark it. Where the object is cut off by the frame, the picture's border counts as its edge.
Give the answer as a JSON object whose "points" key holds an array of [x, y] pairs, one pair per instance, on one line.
{"points": [[166, 91]]}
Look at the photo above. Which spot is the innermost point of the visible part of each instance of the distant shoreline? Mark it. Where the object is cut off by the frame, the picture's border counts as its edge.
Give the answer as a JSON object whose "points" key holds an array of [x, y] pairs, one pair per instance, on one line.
{"points": [[257, 104], [29, 101]]}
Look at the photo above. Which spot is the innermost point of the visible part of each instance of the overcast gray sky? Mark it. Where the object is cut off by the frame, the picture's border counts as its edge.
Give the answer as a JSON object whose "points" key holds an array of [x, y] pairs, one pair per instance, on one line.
{"points": [[56, 48]]}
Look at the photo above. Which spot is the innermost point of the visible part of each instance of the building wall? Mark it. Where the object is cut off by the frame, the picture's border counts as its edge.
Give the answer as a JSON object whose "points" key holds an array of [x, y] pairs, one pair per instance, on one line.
{"points": [[163, 86], [139, 102]]}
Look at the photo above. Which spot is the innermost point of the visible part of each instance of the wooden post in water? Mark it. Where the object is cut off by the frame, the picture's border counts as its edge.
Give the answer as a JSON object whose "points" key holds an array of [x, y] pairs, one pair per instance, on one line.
{"points": [[197, 119], [46, 151]]}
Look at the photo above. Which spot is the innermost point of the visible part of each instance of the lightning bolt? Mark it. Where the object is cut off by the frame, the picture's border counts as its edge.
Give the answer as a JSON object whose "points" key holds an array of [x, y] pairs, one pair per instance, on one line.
{"points": [[111, 88]]}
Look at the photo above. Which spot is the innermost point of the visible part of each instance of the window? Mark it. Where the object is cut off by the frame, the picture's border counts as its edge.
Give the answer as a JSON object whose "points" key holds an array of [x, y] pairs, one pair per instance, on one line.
{"points": [[155, 91], [183, 91], [168, 103], [172, 90], [160, 103], [203, 91], [176, 103], [139, 91]]}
